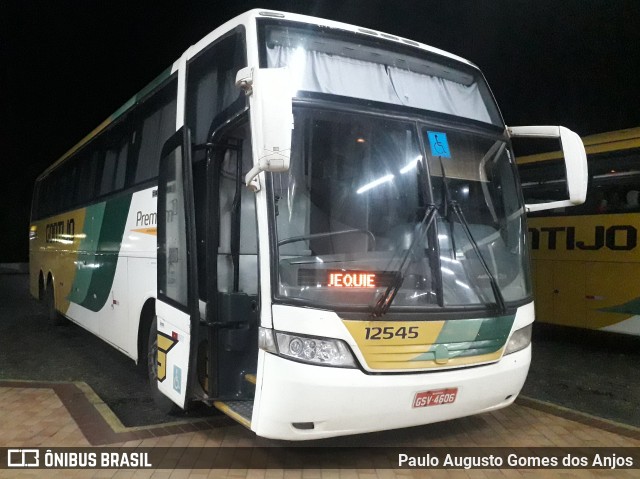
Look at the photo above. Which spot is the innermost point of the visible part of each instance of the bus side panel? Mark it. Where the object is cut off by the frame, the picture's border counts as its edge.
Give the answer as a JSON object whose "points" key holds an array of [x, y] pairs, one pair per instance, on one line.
{"points": [[142, 287], [139, 245], [111, 319], [587, 264], [54, 251], [613, 301]]}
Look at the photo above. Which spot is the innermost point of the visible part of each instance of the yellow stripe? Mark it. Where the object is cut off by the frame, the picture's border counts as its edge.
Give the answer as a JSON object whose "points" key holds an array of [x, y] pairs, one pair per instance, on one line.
{"points": [[390, 363], [232, 414], [250, 378], [146, 231], [396, 352]]}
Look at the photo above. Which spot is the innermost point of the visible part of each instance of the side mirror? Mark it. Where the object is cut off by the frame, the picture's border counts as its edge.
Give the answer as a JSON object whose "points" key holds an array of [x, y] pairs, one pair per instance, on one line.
{"points": [[272, 110], [575, 162]]}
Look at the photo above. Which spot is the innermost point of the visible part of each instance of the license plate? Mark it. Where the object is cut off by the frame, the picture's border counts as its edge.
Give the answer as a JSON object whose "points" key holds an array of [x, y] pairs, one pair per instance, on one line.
{"points": [[437, 397]]}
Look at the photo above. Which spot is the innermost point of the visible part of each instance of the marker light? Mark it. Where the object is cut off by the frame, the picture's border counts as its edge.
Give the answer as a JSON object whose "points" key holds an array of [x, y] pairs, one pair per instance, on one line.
{"points": [[519, 340], [320, 351]]}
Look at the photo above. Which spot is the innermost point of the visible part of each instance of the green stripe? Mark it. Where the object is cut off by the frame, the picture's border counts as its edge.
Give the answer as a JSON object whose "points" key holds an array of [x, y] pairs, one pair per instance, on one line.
{"points": [[96, 266], [87, 259], [630, 307], [470, 337]]}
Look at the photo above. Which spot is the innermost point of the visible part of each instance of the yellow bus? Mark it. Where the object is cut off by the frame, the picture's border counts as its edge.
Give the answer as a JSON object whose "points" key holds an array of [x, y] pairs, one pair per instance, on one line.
{"points": [[585, 258]]}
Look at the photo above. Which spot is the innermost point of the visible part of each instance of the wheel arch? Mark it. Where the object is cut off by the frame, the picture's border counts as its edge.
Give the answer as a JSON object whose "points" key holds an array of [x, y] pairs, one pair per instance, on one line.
{"points": [[147, 313]]}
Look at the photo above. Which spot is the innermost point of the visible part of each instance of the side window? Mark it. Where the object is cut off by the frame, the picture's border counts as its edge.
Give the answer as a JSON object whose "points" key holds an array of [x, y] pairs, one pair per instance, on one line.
{"points": [[69, 181], [543, 182], [211, 86], [157, 124], [614, 183], [114, 166], [154, 125], [88, 172], [44, 197]]}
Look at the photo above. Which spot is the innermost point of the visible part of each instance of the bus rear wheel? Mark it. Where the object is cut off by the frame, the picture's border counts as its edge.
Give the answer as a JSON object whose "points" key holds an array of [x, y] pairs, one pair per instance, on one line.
{"points": [[162, 402], [53, 316]]}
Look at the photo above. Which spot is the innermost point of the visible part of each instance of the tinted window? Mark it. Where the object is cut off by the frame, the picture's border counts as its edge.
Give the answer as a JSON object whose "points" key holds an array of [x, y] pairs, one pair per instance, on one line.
{"points": [[154, 126], [614, 184], [116, 148], [211, 87], [544, 181]]}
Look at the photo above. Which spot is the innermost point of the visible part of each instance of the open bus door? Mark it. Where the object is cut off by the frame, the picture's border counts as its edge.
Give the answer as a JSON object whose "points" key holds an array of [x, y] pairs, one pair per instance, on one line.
{"points": [[218, 350], [232, 273], [177, 313]]}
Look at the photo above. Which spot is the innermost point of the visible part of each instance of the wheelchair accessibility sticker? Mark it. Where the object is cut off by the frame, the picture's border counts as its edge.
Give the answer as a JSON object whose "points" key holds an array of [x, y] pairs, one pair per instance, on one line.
{"points": [[439, 144]]}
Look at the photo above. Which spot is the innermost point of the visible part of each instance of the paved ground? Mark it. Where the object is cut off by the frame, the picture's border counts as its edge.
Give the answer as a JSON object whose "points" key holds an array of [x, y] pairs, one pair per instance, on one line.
{"points": [[32, 349], [91, 382], [42, 416], [586, 371]]}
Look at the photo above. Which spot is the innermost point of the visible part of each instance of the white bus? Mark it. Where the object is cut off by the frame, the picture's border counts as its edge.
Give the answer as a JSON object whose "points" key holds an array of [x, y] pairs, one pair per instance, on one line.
{"points": [[315, 227]]}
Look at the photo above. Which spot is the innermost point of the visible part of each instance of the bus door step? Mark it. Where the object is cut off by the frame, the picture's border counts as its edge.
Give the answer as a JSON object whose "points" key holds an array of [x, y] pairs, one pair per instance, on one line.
{"points": [[239, 411], [249, 385]]}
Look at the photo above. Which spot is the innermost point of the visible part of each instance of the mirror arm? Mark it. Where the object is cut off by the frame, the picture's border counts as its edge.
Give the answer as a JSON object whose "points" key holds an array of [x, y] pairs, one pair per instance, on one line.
{"points": [[251, 178]]}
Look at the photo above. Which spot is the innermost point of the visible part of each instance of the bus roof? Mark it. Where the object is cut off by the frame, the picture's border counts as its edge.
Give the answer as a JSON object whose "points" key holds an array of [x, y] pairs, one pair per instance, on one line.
{"points": [[243, 18], [598, 143]]}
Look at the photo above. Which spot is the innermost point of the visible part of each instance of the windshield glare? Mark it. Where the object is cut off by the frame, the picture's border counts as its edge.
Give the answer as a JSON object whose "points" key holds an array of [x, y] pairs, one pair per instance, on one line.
{"points": [[349, 214]]}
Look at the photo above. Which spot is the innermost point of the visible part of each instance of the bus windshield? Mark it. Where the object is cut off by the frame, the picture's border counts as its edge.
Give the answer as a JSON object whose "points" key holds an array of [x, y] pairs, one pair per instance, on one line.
{"points": [[364, 67], [350, 214]]}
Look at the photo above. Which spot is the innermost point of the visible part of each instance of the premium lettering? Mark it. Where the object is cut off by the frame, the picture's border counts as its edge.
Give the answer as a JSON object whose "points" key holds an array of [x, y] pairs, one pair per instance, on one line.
{"points": [[146, 219]]}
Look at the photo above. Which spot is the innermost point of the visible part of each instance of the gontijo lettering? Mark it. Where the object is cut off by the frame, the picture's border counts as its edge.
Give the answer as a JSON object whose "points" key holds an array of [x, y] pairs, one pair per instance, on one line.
{"points": [[54, 232]]}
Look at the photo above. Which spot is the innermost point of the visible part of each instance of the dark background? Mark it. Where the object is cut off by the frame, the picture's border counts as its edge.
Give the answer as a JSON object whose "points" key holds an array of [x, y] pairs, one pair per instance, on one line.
{"points": [[66, 65]]}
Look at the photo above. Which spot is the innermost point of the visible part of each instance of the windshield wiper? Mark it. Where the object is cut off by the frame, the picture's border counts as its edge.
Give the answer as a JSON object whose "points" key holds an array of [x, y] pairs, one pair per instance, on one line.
{"points": [[384, 302], [457, 210]]}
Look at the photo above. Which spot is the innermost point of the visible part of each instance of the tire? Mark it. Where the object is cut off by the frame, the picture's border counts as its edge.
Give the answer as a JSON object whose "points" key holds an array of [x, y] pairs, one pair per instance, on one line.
{"points": [[53, 316], [41, 291], [162, 402]]}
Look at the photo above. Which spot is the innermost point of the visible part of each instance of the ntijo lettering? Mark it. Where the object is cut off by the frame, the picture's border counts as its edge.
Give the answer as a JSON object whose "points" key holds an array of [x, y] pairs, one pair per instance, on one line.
{"points": [[616, 237]]}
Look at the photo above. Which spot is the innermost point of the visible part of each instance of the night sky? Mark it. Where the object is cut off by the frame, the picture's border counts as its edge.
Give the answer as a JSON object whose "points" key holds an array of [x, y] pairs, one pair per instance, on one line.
{"points": [[67, 65]]}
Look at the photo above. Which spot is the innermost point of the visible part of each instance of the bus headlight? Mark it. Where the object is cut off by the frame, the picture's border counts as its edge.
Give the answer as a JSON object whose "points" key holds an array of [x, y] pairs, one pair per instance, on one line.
{"points": [[313, 350], [519, 340]]}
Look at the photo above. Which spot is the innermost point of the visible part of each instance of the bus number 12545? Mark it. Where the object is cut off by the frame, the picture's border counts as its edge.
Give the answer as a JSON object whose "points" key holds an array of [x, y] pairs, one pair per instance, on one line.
{"points": [[389, 332]]}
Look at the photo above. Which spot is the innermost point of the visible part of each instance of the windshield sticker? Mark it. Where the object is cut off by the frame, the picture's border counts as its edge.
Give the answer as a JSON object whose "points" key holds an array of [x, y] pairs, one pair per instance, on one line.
{"points": [[439, 144]]}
